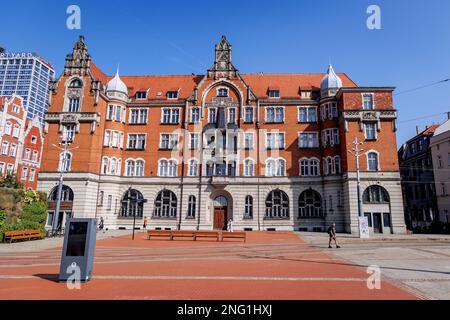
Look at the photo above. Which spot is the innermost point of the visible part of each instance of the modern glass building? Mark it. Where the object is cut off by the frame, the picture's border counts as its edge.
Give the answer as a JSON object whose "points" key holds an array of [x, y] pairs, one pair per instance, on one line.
{"points": [[28, 76]]}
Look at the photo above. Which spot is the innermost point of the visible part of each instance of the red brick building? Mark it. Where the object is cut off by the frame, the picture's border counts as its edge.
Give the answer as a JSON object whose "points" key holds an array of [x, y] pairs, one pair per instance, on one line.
{"points": [[21, 142], [269, 151]]}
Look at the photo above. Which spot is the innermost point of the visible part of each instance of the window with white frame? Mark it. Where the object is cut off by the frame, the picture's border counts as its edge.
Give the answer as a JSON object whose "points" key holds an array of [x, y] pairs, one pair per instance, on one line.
{"points": [[372, 161], [12, 150], [368, 101], [249, 167], [308, 140], [329, 111], [107, 138], [222, 92], [167, 168], [337, 164], [118, 117], [248, 117], [139, 168], [309, 167], [275, 140], [191, 207], [134, 168], [24, 174], [32, 175], [69, 132], [195, 115], [370, 131], [273, 93], [115, 139], [193, 141], [16, 131], [27, 154], [2, 168], [5, 146], [248, 209], [330, 137], [335, 136], [110, 114], [141, 95], [74, 104], [212, 115], [275, 167], [136, 141], [248, 140], [307, 114], [168, 141], [105, 162], [274, 114], [231, 115], [65, 160], [138, 116], [193, 168], [170, 116], [8, 128]]}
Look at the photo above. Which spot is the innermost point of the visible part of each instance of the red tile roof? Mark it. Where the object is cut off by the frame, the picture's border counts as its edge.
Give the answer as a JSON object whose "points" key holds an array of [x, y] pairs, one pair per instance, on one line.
{"points": [[429, 130]]}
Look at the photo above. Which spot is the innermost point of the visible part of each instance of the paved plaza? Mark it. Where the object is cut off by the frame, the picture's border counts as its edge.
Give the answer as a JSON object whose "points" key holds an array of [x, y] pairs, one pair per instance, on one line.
{"points": [[270, 265]]}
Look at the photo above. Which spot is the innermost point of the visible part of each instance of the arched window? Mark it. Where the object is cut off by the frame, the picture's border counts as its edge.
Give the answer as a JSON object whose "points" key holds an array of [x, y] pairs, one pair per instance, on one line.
{"points": [[314, 167], [163, 168], [66, 194], [337, 165], [310, 204], [139, 168], [275, 167], [281, 168], [329, 166], [270, 167], [113, 166], [76, 84], [130, 168], [165, 205], [104, 165], [304, 167], [375, 194], [172, 168], [193, 168], [65, 160], [220, 201], [191, 207], [372, 161], [132, 204], [277, 205], [248, 211], [248, 167]]}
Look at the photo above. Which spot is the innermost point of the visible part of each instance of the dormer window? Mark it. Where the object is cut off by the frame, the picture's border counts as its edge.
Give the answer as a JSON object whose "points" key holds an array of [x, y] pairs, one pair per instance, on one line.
{"points": [[172, 94], [141, 95], [274, 93], [222, 92]]}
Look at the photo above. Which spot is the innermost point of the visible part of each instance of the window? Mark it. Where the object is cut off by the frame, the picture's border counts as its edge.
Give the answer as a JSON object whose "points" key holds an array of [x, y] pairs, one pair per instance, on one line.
{"points": [[170, 116], [132, 204], [386, 219], [370, 131], [101, 195], [249, 165], [275, 140], [231, 115], [138, 116], [330, 137], [275, 114], [65, 160], [168, 141], [24, 174], [109, 203], [248, 115], [167, 168], [193, 141], [136, 141], [110, 113], [172, 94], [248, 210], [308, 140], [130, 168], [16, 130], [8, 128], [309, 167], [76, 83], [368, 102], [12, 150], [165, 205], [33, 139], [337, 164], [115, 139], [113, 166], [329, 111], [275, 167], [32, 175], [118, 114], [307, 114], [134, 168], [212, 115], [310, 204], [107, 138], [375, 194], [139, 168], [248, 140], [141, 95], [5, 146], [222, 92], [69, 132], [274, 93], [2, 168], [195, 115], [372, 161], [27, 154], [191, 207], [193, 168], [105, 165], [277, 205], [74, 104]]}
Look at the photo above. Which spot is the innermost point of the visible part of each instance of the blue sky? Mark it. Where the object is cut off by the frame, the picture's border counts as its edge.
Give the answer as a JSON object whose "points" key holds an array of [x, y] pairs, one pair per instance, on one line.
{"points": [[177, 37]]}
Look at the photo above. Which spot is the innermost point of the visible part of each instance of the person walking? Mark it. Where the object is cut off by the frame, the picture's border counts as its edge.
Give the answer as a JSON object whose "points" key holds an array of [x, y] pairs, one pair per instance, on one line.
{"points": [[332, 234], [101, 224], [230, 225], [145, 223]]}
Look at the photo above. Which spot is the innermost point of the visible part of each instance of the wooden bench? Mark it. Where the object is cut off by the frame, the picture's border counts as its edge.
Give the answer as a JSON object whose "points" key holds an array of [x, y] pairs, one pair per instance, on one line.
{"points": [[234, 235], [183, 234], [23, 234], [159, 234], [207, 234]]}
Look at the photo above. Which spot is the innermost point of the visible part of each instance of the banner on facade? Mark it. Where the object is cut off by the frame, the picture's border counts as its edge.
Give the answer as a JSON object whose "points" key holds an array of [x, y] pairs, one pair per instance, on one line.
{"points": [[364, 232]]}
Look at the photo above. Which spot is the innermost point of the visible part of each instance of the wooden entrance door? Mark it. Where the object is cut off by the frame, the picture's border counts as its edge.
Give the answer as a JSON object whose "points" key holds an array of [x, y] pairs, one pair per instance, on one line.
{"points": [[220, 215], [377, 226]]}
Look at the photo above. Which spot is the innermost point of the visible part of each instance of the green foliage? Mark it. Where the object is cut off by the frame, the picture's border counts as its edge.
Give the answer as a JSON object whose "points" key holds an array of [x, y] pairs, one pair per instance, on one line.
{"points": [[10, 182]]}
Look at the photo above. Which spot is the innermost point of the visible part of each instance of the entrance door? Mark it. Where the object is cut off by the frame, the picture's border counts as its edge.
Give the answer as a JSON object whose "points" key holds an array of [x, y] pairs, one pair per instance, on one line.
{"points": [[220, 221], [377, 226]]}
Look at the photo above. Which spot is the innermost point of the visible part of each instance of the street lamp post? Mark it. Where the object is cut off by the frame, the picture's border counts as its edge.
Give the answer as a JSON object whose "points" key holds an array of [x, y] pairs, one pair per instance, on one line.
{"points": [[137, 201], [356, 151]]}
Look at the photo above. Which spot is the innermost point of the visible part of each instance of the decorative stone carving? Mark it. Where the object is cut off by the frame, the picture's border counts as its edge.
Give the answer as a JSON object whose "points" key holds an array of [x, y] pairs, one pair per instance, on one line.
{"points": [[78, 62], [223, 67], [368, 116]]}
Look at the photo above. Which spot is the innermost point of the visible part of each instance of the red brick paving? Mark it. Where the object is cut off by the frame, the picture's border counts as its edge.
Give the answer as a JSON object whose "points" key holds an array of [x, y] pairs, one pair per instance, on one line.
{"points": [[270, 265]]}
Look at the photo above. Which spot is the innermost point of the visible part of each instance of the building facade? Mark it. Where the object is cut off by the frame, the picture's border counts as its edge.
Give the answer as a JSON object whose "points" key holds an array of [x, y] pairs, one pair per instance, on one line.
{"points": [[269, 151], [21, 142], [28, 76], [418, 181], [440, 151]]}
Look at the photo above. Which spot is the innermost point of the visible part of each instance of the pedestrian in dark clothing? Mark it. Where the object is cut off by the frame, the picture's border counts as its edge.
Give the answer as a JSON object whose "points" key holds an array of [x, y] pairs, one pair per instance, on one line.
{"points": [[101, 224], [145, 223], [332, 234]]}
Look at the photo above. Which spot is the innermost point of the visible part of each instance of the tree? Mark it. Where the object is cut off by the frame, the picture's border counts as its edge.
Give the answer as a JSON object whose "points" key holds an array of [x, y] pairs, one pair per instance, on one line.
{"points": [[11, 182]]}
